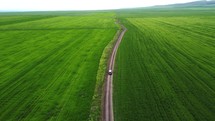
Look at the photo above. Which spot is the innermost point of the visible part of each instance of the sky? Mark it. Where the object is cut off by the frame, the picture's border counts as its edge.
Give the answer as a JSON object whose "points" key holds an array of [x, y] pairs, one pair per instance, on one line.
{"points": [[44, 5]]}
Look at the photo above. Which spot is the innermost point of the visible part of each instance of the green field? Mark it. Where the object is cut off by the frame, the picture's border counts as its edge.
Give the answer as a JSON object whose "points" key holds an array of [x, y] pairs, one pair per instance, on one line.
{"points": [[53, 64], [165, 66], [49, 63]]}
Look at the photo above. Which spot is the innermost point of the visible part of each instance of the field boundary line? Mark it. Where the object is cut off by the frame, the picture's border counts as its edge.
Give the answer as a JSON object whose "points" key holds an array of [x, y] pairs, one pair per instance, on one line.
{"points": [[52, 29], [27, 20]]}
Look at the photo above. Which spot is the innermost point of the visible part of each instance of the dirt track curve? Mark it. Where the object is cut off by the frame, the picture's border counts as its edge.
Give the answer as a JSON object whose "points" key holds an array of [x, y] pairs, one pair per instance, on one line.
{"points": [[108, 102]]}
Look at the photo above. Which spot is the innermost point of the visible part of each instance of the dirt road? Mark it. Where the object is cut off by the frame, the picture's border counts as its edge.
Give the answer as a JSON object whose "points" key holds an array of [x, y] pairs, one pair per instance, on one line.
{"points": [[108, 102]]}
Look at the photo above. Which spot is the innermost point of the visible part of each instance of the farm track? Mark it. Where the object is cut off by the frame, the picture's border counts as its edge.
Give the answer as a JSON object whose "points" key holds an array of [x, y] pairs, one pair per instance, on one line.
{"points": [[108, 100]]}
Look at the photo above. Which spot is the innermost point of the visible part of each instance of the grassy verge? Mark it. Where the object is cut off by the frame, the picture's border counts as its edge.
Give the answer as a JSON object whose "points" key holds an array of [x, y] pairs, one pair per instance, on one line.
{"points": [[95, 113]]}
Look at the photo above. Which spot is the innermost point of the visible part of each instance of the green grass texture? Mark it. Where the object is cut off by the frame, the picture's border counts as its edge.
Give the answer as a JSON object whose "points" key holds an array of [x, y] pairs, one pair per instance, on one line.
{"points": [[49, 64], [165, 67]]}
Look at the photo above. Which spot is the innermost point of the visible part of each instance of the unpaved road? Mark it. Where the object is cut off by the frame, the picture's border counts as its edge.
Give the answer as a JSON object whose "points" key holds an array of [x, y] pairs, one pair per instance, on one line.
{"points": [[108, 102]]}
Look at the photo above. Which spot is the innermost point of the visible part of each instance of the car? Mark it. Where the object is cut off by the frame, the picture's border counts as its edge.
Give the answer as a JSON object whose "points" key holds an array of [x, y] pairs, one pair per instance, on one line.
{"points": [[110, 72]]}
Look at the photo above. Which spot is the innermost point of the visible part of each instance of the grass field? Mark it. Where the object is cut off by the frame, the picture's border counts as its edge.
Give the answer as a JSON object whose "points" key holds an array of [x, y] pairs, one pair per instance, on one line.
{"points": [[48, 64], [52, 65], [165, 67]]}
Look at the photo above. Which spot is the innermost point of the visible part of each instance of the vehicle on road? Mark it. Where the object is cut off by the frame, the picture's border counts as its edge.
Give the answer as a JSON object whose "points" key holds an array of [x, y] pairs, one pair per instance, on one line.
{"points": [[110, 72]]}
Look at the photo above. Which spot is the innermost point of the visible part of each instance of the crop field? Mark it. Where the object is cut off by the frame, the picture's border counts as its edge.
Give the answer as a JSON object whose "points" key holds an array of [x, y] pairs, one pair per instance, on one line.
{"points": [[165, 67], [48, 64]]}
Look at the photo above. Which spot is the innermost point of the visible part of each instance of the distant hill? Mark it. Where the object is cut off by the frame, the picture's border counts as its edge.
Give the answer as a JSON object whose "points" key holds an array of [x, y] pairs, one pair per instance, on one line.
{"points": [[202, 3]]}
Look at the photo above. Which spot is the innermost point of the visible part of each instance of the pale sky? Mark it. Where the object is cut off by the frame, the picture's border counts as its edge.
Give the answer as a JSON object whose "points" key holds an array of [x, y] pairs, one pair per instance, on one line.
{"points": [[43, 5]]}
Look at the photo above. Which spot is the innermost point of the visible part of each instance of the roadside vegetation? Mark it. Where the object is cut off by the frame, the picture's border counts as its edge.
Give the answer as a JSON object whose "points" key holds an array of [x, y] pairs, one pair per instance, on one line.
{"points": [[97, 104], [165, 67]]}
